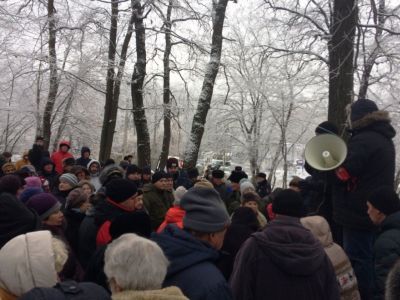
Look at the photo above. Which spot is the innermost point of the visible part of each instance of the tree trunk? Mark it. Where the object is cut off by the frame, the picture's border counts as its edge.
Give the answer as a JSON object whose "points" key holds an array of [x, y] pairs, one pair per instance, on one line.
{"points": [[64, 118], [341, 53], [204, 103], [166, 91], [110, 107], [139, 72], [53, 86]]}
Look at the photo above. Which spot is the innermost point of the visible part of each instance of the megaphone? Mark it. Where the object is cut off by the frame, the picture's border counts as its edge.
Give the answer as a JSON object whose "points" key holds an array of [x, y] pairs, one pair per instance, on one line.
{"points": [[325, 152]]}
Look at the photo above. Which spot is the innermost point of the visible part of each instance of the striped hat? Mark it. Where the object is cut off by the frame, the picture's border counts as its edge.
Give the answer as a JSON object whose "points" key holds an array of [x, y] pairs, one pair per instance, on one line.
{"points": [[69, 178]]}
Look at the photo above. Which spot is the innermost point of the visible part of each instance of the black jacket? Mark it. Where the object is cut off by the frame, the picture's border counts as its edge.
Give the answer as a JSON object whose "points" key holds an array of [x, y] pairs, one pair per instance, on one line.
{"points": [[36, 155], [81, 161], [263, 188], [284, 261], [68, 290], [50, 177], [74, 219], [371, 163], [386, 252], [244, 223]]}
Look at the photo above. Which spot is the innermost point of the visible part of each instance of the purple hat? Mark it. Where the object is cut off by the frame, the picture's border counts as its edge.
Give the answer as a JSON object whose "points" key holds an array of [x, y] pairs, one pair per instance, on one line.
{"points": [[33, 181], [44, 204]]}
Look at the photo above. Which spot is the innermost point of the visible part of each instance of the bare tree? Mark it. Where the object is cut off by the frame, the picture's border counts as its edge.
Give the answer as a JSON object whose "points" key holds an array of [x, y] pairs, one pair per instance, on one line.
{"points": [[203, 106]]}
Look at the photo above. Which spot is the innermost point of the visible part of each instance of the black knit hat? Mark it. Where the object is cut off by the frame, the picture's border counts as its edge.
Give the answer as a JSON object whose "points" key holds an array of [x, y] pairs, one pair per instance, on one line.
{"points": [[361, 108], [137, 222], [119, 190], [288, 203], [385, 200], [159, 175], [326, 127], [218, 174]]}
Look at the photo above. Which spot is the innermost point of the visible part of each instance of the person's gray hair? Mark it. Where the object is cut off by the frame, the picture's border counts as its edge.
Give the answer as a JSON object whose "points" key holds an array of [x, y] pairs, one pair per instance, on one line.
{"points": [[135, 263]]}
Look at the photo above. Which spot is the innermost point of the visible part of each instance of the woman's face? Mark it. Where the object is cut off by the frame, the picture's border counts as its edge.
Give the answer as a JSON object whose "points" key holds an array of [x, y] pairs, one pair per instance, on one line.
{"points": [[64, 186], [87, 189], [55, 219]]}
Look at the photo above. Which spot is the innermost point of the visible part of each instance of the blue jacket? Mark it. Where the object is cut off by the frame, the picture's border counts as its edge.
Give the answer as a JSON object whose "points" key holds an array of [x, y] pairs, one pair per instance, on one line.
{"points": [[192, 267]]}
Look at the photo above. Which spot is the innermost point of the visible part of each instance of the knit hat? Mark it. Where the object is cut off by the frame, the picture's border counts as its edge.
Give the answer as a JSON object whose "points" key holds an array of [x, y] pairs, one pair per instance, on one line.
{"points": [[236, 176], [262, 175], [137, 222], [146, 170], [159, 175], [27, 193], [33, 181], [385, 200], [326, 127], [218, 174], [76, 198], [178, 194], [172, 162], [250, 196], [70, 179], [288, 203], [246, 186], [205, 211], [45, 204], [131, 169], [119, 190], [361, 108]]}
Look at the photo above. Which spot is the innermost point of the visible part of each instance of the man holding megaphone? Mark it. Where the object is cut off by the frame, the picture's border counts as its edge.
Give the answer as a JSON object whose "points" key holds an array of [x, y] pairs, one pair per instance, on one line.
{"points": [[370, 163]]}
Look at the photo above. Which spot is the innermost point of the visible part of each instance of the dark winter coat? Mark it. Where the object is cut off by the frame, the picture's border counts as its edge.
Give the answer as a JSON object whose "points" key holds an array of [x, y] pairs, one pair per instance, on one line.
{"points": [[244, 223], [50, 177], [87, 238], [157, 203], [61, 196], [183, 180], [284, 261], [81, 161], [371, 163], [263, 188], [74, 218], [192, 267], [386, 251], [68, 290], [36, 156], [233, 201], [95, 268], [15, 218]]}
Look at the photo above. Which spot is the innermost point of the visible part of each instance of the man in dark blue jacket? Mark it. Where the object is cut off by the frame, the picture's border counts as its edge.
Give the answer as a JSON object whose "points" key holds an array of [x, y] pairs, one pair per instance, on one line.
{"points": [[192, 252], [85, 157], [370, 163]]}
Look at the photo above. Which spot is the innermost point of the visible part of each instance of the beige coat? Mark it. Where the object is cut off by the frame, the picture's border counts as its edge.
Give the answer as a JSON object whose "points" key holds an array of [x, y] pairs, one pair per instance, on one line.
{"points": [[170, 293], [27, 261], [341, 263]]}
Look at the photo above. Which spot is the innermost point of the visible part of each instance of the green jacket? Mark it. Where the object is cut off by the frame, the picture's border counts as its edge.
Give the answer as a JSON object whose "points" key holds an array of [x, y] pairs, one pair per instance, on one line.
{"points": [[157, 203]]}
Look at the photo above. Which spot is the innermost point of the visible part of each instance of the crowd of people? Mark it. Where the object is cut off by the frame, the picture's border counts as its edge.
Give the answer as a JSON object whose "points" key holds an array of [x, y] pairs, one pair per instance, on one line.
{"points": [[82, 229]]}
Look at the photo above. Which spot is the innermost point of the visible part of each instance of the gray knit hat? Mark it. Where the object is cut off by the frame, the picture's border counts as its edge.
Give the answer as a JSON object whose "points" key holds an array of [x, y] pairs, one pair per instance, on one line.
{"points": [[205, 211], [69, 178]]}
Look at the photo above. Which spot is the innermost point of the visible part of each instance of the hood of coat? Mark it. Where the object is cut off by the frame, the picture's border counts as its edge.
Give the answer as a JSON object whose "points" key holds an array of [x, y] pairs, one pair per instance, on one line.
{"points": [[391, 222], [291, 247], [319, 227], [378, 121], [27, 261], [183, 250], [85, 149]]}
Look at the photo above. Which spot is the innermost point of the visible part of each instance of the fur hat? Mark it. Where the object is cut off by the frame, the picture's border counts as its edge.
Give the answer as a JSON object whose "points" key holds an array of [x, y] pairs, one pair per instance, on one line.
{"points": [[205, 211], [110, 172], [204, 183], [236, 176], [385, 200], [45, 204], [120, 190], [76, 198], [172, 162], [69, 178], [288, 203], [8, 166], [246, 185], [178, 194]]}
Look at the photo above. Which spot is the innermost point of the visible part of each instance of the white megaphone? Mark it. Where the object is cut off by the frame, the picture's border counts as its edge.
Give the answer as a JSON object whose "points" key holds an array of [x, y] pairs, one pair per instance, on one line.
{"points": [[325, 152]]}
